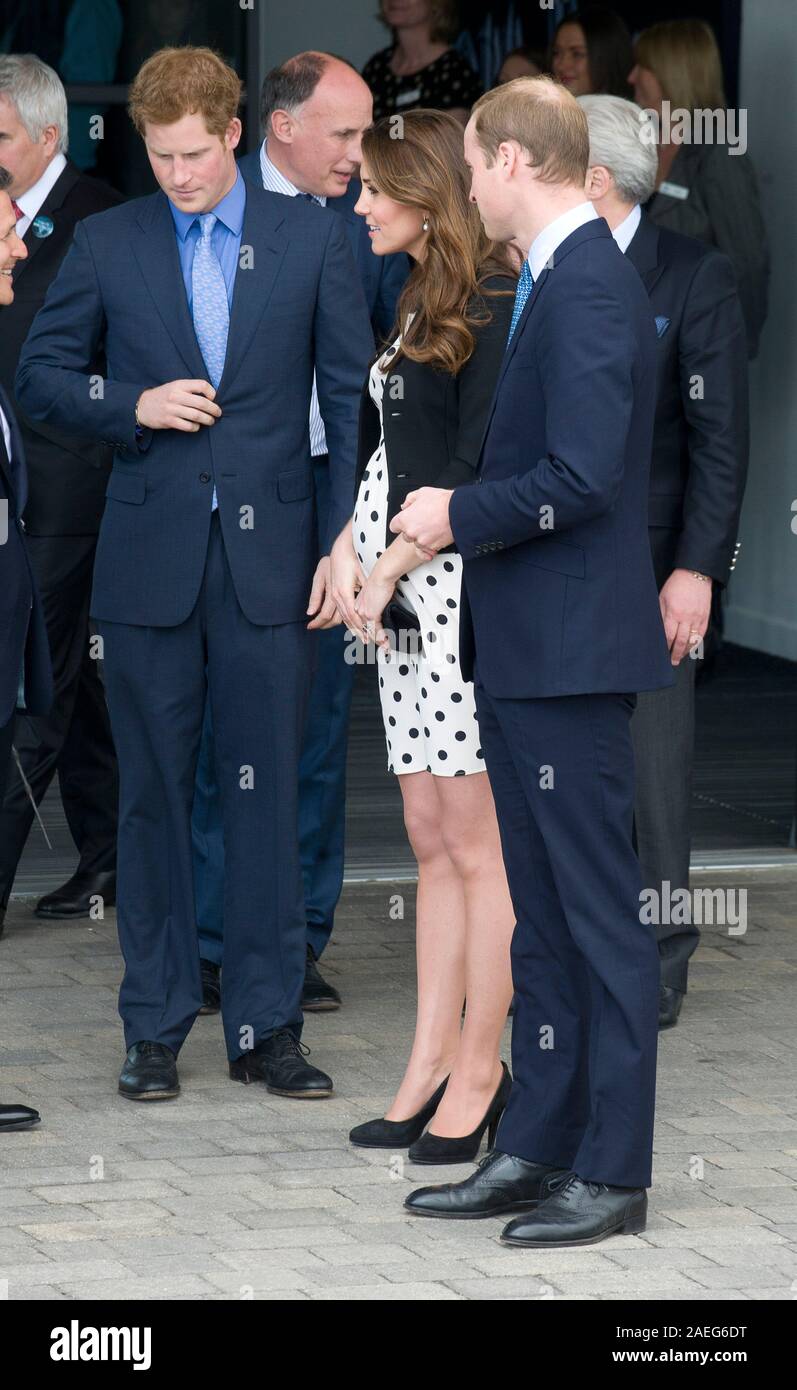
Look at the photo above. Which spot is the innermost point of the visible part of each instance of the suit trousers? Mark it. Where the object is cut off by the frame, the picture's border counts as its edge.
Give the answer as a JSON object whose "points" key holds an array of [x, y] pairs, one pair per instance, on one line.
{"points": [[663, 734], [74, 739], [257, 680], [584, 968], [322, 790]]}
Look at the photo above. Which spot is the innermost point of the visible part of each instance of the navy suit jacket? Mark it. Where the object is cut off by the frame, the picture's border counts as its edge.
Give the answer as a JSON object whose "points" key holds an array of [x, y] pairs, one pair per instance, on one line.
{"points": [[382, 277], [554, 534], [23, 636], [297, 306]]}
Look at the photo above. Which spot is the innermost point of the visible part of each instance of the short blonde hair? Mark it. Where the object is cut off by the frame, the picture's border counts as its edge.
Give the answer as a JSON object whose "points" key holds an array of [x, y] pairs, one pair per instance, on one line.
{"points": [[545, 120], [683, 55], [177, 82]]}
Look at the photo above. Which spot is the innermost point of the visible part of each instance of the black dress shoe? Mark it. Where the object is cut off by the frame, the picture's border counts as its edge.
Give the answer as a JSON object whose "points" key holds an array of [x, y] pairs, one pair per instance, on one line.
{"points": [[73, 899], [580, 1213], [500, 1183], [17, 1117], [437, 1148], [279, 1062], [397, 1134], [670, 1001], [211, 986], [317, 995], [149, 1073]]}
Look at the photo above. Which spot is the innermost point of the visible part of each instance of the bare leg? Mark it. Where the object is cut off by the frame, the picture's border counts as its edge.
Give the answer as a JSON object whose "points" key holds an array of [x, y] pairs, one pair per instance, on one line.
{"points": [[470, 832], [440, 948]]}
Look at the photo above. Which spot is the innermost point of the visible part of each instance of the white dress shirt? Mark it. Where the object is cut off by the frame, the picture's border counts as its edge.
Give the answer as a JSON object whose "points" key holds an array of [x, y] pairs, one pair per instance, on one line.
{"points": [[6, 433], [552, 236], [626, 231], [275, 182], [34, 199]]}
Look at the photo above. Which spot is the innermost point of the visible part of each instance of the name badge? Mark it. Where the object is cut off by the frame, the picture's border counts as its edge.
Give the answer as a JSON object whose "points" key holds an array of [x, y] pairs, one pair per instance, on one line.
{"points": [[674, 190], [405, 98], [42, 226]]}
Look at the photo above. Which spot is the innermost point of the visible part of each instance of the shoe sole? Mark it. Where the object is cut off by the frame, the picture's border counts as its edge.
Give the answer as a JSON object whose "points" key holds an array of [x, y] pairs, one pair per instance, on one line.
{"points": [[208, 1009], [299, 1095], [327, 1007], [473, 1215], [24, 1124], [149, 1095], [440, 1162], [361, 1144], [633, 1227]]}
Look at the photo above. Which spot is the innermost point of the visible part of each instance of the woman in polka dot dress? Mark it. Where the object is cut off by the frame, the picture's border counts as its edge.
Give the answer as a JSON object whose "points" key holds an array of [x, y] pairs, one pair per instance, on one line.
{"points": [[423, 414]]}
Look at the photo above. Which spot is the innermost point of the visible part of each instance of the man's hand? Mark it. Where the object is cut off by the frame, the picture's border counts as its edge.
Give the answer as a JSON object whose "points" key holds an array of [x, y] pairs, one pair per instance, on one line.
{"points": [[322, 604], [346, 577], [178, 405], [685, 604], [423, 519]]}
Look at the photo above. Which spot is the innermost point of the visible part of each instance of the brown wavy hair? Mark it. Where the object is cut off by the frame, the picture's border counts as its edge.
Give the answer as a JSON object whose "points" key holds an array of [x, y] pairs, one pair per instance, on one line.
{"points": [[425, 169]]}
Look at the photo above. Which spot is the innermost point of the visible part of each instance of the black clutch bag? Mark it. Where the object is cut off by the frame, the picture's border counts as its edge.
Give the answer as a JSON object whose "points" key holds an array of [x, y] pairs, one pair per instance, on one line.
{"points": [[404, 626]]}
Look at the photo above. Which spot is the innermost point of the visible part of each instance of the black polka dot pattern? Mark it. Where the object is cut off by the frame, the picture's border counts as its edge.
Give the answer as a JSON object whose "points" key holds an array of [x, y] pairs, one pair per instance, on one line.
{"points": [[426, 705]]}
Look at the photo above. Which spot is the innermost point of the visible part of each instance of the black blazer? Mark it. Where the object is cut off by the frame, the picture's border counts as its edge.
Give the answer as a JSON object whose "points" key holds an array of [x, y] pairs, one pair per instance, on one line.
{"points": [[719, 204], [700, 446], [434, 421], [23, 635], [67, 473]]}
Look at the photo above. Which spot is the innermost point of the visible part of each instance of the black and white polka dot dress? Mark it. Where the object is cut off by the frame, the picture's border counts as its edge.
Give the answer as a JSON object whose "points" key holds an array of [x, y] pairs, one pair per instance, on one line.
{"points": [[428, 709]]}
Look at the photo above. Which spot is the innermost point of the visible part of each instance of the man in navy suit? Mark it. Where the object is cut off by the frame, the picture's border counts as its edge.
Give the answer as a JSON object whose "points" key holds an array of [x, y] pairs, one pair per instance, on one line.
{"points": [[25, 674], [217, 302], [566, 629], [314, 109]]}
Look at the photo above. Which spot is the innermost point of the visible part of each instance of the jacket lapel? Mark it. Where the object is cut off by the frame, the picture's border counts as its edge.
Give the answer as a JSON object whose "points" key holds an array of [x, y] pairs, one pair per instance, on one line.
{"points": [[643, 253], [49, 208], [263, 247], [154, 246]]}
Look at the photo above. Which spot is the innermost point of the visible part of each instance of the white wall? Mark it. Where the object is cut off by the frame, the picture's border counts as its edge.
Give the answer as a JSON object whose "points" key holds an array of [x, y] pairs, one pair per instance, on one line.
{"points": [[347, 27], [762, 608]]}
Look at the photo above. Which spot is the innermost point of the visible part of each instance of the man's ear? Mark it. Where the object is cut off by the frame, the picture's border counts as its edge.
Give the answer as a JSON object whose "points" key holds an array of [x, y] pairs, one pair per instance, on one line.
{"points": [[598, 181], [281, 126]]}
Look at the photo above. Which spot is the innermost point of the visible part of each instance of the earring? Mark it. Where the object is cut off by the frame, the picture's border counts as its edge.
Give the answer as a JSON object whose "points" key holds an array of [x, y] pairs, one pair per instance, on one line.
{"points": [[425, 227]]}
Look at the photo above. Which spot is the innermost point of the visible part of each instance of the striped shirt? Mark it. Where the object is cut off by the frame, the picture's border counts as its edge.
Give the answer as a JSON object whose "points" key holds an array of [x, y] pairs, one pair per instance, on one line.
{"points": [[275, 182]]}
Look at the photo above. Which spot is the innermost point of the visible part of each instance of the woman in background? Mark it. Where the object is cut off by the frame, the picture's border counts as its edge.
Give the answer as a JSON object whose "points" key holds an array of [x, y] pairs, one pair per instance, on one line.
{"points": [[420, 68], [707, 190], [423, 416], [591, 53]]}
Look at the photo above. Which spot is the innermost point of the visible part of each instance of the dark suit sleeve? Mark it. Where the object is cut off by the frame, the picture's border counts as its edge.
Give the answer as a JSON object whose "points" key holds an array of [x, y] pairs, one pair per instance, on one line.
{"points": [[344, 346], [475, 389], [392, 278], [583, 347], [714, 395], [730, 190], [54, 380]]}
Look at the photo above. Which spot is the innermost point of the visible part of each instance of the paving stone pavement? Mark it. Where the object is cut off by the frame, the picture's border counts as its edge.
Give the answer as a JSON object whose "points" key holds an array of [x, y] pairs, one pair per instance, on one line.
{"points": [[229, 1193]]}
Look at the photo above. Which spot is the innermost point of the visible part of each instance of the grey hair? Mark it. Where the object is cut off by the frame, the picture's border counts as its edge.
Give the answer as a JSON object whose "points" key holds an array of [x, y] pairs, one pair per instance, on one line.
{"points": [[38, 94], [290, 85], [622, 138]]}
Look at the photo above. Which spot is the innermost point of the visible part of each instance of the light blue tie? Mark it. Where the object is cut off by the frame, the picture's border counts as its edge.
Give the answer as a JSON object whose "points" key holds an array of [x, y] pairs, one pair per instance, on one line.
{"points": [[210, 305], [524, 287]]}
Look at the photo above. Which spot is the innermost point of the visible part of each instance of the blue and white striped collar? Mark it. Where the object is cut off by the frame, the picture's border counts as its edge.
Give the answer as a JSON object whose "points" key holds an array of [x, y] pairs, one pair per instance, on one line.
{"points": [[275, 181]]}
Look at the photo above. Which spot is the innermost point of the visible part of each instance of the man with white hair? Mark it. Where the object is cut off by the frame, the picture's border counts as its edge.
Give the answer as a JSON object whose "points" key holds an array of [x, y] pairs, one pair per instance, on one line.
{"points": [[67, 478], [697, 477]]}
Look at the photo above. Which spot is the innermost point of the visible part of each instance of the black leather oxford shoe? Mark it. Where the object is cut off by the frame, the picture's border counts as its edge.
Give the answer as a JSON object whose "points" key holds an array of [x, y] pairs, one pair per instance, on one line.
{"points": [[670, 1001], [17, 1117], [74, 899], [318, 995], [580, 1213], [211, 987], [279, 1062], [500, 1183], [149, 1073]]}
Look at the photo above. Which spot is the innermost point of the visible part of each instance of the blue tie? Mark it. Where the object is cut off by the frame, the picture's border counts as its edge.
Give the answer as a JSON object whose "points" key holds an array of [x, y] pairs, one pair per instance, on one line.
{"points": [[524, 287], [210, 305]]}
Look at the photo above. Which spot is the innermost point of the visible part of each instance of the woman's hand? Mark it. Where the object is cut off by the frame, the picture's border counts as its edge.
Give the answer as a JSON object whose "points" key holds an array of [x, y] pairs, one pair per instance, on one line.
{"points": [[346, 577], [370, 604]]}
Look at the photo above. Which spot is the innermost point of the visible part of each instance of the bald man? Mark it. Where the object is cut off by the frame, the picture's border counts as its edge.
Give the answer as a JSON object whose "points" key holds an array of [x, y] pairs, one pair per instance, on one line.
{"points": [[314, 109]]}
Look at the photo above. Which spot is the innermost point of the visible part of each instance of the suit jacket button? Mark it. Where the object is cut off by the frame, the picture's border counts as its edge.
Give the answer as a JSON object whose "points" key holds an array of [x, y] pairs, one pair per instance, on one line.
{"points": [[204, 477]]}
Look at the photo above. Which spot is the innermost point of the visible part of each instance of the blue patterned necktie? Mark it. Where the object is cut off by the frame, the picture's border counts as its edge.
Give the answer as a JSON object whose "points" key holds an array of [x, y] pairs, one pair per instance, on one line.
{"points": [[211, 308], [524, 287]]}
